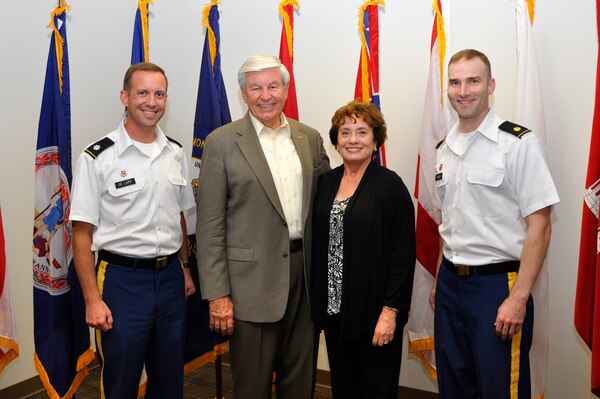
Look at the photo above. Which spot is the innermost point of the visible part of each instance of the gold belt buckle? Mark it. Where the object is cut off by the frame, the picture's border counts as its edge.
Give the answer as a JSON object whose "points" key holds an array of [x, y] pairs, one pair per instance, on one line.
{"points": [[162, 262], [462, 270]]}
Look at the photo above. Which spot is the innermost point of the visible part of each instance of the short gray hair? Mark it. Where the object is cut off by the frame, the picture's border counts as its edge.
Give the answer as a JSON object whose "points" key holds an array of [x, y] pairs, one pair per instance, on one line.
{"points": [[261, 62]]}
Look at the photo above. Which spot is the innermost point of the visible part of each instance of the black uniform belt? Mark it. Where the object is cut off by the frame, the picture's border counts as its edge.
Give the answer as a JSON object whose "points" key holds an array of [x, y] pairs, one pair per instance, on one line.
{"points": [[296, 245], [483, 270], [142, 263]]}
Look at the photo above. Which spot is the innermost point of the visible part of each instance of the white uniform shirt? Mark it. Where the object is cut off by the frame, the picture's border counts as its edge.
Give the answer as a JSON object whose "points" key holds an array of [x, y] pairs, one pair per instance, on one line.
{"points": [[485, 193], [284, 163], [134, 201]]}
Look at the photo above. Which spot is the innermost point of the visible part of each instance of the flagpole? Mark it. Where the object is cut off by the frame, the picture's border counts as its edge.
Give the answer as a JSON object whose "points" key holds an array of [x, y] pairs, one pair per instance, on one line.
{"points": [[219, 377]]}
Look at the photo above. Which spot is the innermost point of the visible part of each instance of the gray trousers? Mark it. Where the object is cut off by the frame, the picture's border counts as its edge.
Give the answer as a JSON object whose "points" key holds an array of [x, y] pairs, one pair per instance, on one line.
{"points": [[286, 347]]}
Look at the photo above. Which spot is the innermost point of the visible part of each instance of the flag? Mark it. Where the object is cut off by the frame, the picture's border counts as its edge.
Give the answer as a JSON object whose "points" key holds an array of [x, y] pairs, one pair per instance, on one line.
{"points": [[140, 53], [367, 79], [434, 125], [587, 297], [139, 48], [61, 336], [202, 345], [212, 111], [9, 346], [286, 54], [529, 111]]}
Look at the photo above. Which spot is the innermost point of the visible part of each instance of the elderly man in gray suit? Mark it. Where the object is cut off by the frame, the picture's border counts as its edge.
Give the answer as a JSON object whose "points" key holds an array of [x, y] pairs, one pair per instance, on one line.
{"points": [[257, 183]]}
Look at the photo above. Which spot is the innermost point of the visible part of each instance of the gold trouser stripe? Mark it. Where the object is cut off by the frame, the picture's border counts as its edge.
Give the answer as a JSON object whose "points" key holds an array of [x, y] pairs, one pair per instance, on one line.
{"points": [[515, 353], [100, 283]]}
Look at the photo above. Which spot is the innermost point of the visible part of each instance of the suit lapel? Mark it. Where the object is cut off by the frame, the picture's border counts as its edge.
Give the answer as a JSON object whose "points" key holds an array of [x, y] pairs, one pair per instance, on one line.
{"points": [[251, 149], [303, 148]]}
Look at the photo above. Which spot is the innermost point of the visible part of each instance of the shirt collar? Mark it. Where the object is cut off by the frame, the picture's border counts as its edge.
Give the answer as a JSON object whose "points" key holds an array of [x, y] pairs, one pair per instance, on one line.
{"points": [[488, 128], [124, 141], [259, 126]]}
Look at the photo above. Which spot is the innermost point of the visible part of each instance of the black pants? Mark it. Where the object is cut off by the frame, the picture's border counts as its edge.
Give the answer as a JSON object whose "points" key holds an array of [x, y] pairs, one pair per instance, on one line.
{"points": [[360, 370]]}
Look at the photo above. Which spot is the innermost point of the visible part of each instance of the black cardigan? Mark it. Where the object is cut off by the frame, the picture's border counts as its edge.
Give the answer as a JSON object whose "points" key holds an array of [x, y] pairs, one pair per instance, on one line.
{"points": [[379, 249]]}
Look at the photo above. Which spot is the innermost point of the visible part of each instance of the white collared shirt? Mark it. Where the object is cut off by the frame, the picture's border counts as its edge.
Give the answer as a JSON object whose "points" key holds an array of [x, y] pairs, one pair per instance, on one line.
{"points": [[133, 200], [486, 192], [284, 163]]}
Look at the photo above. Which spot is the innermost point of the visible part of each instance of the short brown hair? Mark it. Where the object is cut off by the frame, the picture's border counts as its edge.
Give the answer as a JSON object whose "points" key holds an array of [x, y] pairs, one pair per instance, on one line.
{"points": [[367, 112], [469, 54], [142, 66]]}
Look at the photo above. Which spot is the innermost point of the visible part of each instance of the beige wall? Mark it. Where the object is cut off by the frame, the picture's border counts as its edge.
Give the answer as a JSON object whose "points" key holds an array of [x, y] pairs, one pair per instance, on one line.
{"points": [[327, 47]]}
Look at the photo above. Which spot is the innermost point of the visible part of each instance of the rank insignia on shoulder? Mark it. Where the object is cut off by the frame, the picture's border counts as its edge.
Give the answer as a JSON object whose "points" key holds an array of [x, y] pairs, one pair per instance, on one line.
{"points": [[514, 129], [438, 176], [439, 143], [95, 149], [174, 141]]}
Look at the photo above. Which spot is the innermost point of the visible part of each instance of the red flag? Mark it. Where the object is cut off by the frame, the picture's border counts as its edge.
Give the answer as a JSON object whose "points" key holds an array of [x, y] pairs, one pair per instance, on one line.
{"points": [[435, 124], [367, 79], [587, 297], [9, 347], [286, 54]]}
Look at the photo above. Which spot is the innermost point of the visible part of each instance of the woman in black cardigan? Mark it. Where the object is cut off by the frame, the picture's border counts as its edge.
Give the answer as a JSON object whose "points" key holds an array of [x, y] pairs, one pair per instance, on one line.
{"points": [[363, 259]]}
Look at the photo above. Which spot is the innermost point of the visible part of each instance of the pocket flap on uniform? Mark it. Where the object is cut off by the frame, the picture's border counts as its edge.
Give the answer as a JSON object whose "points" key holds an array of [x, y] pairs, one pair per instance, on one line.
{"points": [[485, 177], [176, 179], [240, 254]]}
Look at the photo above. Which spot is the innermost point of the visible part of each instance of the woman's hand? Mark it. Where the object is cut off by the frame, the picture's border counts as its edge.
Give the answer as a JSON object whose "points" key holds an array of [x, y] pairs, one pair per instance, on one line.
{"points": [[385, 328]]}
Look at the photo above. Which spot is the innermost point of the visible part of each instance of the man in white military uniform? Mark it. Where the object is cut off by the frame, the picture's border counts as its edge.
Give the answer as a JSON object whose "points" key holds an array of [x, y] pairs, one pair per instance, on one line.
{"points": [[129, 192], [495, 193]]}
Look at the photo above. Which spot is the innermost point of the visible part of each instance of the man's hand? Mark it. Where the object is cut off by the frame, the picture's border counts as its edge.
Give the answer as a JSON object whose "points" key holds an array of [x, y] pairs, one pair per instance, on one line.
{"points": [[432, 296], [190, 288], [511, 313], [221, 315], [98, 315], [509, 320]]}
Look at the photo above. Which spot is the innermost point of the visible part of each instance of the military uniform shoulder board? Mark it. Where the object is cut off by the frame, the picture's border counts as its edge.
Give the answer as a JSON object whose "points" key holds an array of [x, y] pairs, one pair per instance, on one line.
{"points": [[439, 143], [174, 141], [514, 129], [95, 149]]}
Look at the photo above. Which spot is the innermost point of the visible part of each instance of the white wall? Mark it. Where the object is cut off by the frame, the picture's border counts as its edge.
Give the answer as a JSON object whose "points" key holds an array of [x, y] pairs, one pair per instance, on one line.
{"points": [[327, 49]]}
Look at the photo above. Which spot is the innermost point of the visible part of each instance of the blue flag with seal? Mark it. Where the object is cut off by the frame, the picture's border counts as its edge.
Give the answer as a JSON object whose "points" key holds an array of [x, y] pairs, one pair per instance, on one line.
{"points": [[61, 336], [212, 111], [139, 48]]}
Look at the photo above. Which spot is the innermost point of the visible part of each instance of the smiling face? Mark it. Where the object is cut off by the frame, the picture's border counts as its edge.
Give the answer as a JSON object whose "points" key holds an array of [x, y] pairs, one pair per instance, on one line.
{"points": [[356, 141], [146, 100], [265, 95], [469, 87]]}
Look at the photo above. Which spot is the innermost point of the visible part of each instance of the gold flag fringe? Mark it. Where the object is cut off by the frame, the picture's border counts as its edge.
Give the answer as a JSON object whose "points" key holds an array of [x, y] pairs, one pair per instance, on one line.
{"points": [[441, 39], [531, 9], [212, 40], [143, 7], [287, 24], [82, 372], [11, 354], [364, 58], [58, 39]]}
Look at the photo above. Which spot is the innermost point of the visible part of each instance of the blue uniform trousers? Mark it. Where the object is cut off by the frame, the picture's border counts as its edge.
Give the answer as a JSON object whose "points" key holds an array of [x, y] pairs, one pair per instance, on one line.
{"points": [[471, 360], [149, 315]]}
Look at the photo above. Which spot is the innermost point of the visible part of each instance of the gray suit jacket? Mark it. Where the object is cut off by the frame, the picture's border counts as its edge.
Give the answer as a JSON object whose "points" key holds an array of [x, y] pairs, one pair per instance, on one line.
{"points": [[242, 235]]}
